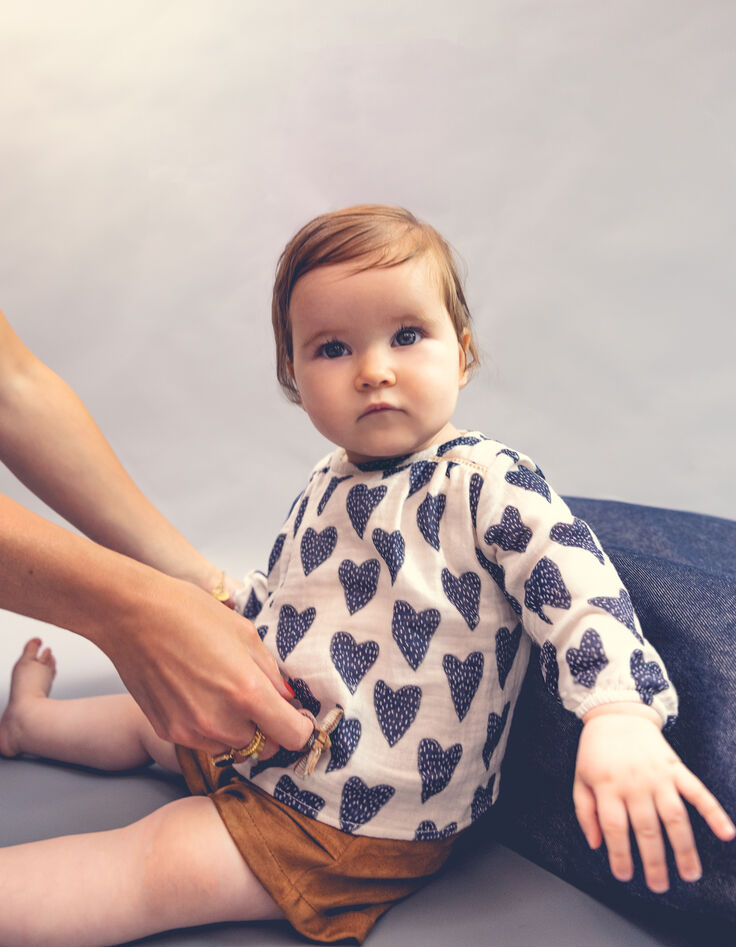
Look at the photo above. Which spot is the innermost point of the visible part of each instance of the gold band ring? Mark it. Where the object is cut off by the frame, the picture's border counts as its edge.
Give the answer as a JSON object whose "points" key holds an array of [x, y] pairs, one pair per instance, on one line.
{"points": [[255, 747], [251, 751]]}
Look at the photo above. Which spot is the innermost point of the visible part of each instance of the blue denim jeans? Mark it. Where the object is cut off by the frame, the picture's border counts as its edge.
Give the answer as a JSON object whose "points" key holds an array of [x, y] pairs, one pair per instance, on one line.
{"points": [[680, 570]]}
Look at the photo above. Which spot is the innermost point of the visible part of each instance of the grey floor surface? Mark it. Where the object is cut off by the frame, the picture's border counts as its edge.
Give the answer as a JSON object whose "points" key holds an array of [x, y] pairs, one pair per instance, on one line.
{"points": [[488, 895]]}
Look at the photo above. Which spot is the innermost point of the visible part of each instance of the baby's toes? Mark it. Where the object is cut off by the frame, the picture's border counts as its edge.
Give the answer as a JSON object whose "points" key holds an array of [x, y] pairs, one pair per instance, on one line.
{"points": [[30, 651]]}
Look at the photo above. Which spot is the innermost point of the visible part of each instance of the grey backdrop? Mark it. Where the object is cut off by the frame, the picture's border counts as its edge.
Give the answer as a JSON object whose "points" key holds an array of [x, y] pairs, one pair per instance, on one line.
{"points": [[155, 157]]}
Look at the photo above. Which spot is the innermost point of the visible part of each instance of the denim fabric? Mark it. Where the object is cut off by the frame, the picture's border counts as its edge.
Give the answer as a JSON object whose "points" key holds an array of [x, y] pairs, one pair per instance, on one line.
{"points": [[680, 570]]}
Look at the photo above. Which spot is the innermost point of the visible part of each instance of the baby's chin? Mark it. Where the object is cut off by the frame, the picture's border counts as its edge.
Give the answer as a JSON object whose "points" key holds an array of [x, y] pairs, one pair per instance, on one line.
{"points": [[400, 447]]}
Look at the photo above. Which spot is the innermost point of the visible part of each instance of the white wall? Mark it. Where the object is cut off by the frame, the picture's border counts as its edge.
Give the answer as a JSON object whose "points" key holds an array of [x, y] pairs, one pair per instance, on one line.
{"points": [[155, 157]]}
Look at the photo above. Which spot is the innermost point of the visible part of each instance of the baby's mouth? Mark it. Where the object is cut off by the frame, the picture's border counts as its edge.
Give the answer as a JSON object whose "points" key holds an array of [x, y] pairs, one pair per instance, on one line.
{"points": [[377, 408]]}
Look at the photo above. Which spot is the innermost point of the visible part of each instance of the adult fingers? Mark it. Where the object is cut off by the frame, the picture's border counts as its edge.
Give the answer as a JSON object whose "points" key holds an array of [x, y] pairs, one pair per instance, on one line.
{"points": [[263, 657], [614, 823], [258, 701], [586, 812], [648, 833], [706, 803]]}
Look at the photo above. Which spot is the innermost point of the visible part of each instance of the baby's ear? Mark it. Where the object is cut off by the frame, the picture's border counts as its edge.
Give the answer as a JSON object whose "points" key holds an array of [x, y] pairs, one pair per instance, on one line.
{"points": [[290, 370], [463, 345]]}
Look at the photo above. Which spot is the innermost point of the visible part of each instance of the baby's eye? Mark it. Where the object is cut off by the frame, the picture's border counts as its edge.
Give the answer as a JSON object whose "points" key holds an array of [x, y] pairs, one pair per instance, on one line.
{"points": [[332, 349], [407, 335]]}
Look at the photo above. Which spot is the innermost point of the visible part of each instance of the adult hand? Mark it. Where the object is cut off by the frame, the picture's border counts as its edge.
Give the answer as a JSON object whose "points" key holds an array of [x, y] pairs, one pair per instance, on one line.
{"points": [[200, 672], [628, 775]]}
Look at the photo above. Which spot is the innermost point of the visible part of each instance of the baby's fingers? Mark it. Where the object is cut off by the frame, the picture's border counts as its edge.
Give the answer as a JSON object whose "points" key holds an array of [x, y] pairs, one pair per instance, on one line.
{"points": [[674, 815], [614, 823], [690, 787], [648, 832], [587, 814]]}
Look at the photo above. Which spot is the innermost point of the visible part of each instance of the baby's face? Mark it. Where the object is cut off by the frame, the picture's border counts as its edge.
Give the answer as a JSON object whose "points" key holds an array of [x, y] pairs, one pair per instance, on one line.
{"points": [[377, 361]]}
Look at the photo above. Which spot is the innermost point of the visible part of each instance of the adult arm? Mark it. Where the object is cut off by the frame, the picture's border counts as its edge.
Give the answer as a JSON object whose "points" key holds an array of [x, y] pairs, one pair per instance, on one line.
{"points": [[51, 443], [198, 670]]}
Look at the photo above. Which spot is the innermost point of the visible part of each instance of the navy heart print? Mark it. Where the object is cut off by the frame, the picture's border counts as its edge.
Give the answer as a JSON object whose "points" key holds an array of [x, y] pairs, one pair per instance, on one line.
{"points": [[528, 480], [464, 439], [621, 608], [550, 669], [507, 644], [262, 631], [293, 505], [317, 548], [361, 503], [331, 487], [420, 474], [648, 676], [360, 802], [276, 552], [482, 800], [545, 587], [510, 534], [300, 514], [429, 515], [345, 739], [427, 831], [509, 453], [359, 583], [463, 678], [497, 573], [292, 627], [252, 606], [576, 534], [396, 710], [464, 593], [494, 730], [476, 485], [413, 631], [352, 660], [393, 471], [308, 803], [305, 696], [587, 661], [282, 758], [436, 766], [391, 548]]}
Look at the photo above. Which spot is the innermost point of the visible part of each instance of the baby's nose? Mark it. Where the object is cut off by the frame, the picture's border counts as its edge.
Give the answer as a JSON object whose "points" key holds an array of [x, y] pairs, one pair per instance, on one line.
{"points": [[374, 371]]}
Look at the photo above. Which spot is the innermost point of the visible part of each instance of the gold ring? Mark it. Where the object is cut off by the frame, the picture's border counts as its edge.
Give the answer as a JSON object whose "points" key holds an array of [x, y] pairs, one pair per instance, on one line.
{"points": [[251, 751], [255, 747], [224, 759]]}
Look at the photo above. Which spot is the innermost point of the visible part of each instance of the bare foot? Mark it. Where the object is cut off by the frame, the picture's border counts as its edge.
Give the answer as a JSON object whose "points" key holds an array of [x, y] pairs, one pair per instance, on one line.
{"points": [[31, 681]]}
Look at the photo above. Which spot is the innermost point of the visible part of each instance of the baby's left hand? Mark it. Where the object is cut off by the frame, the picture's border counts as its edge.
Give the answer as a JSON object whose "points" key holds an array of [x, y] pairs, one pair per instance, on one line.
{"points": [[627, 774]]}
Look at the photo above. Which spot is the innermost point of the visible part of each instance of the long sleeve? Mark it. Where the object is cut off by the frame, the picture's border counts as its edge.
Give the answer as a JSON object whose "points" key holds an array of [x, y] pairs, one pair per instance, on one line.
{"points": [[566, 592]]}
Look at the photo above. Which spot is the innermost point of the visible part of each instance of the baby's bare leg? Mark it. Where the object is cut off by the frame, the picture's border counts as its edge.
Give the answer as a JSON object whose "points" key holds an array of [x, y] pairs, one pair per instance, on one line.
{"points": [[109, 732], [178, 867]]}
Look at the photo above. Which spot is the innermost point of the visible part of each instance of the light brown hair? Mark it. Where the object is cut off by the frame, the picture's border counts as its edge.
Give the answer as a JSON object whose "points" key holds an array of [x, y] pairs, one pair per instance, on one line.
{"points": [[371, 235]]}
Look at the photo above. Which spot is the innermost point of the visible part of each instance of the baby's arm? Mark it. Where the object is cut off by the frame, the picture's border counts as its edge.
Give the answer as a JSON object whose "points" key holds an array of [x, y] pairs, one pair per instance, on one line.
{"points": [[628, 775]]}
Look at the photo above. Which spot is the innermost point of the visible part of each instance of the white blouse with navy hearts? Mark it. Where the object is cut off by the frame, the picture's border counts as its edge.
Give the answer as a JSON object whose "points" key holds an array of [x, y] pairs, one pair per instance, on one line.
{"points": [[400, 590]]}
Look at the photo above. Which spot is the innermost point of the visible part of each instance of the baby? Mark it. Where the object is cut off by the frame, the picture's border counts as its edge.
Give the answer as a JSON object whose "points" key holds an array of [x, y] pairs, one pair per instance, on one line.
{"points": [[400, 601]]}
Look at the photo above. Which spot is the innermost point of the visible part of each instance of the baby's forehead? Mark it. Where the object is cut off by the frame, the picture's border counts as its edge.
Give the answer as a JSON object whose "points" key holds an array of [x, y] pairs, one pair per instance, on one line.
{"points": [[335, 289]]}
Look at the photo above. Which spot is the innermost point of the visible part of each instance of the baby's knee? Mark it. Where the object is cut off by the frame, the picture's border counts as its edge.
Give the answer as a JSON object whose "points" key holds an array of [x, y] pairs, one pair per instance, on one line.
{"points": [[192, 872], [171, 841]]}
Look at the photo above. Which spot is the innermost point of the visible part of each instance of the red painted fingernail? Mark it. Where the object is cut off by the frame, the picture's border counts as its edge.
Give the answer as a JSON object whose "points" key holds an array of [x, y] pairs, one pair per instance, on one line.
{"points": [[289, 688]]}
